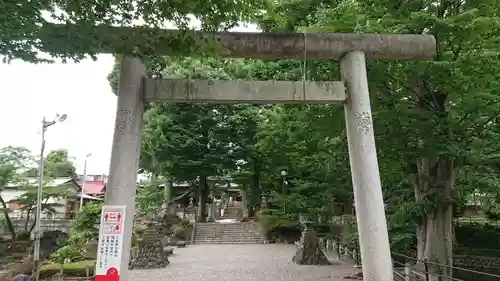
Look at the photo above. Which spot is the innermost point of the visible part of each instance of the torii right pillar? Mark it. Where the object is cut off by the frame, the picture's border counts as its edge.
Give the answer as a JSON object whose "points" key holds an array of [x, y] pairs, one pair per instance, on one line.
{"points": [[370, 212]]}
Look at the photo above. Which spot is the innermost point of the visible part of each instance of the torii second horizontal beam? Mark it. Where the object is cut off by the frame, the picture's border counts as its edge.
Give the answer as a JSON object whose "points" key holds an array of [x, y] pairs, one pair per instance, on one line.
{"points": [[242, 91], [256, 45]]}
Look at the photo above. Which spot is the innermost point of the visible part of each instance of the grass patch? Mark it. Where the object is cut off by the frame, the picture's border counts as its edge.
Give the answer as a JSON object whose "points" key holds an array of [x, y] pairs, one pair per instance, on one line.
{"points": [[75, 269]]}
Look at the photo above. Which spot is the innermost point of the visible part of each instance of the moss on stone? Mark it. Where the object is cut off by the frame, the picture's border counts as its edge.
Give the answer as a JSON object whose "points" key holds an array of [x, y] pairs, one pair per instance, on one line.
{"points": [[75, 269]]}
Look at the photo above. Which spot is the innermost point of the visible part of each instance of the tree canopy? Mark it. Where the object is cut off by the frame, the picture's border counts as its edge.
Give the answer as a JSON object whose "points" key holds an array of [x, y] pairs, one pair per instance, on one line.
{"points": [[436, 122], [21, 23]]}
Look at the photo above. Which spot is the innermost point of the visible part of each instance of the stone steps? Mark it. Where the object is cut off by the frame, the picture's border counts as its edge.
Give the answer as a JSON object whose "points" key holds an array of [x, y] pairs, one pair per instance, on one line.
{"points": [[227, 228], [228, 233], [233, 212], [229, 241], [217, 232]]}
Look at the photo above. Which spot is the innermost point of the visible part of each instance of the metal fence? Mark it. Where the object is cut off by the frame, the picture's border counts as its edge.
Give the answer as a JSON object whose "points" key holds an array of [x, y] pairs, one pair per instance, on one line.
{"points": [[408, 268]]}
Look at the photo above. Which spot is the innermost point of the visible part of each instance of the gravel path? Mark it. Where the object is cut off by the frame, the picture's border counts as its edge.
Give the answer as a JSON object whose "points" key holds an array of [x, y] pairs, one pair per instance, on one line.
{"points": [[269, 262]]}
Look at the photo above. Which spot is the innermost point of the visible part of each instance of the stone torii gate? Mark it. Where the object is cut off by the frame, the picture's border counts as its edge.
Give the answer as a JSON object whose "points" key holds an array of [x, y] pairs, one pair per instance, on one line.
{"points": [[352, 49]]}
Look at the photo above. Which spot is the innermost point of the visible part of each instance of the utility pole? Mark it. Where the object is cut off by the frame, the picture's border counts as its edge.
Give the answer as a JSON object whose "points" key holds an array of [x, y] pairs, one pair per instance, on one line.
{"points": [[38, 216], [83, 180]]}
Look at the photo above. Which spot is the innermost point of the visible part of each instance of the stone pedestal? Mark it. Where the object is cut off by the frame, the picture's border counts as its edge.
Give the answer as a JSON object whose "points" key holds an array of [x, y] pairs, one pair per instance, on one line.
{"points": [[309, 252], [244, 204], [149, 255], [150, 252], [263, 202], [211, 215]]}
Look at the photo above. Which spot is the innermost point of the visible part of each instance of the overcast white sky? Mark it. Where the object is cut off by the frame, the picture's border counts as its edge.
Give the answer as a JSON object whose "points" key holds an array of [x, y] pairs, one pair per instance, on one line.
{"points": [[28, 92]]}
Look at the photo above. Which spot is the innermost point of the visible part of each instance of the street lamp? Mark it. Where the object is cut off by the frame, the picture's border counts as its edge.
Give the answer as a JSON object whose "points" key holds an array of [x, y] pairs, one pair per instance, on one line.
{"points": [[283, 174], [45, 125], [83, 180]]}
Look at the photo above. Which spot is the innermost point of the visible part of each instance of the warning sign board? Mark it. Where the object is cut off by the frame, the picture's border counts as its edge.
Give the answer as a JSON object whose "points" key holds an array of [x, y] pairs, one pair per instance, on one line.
{"points": [[109, 250]]}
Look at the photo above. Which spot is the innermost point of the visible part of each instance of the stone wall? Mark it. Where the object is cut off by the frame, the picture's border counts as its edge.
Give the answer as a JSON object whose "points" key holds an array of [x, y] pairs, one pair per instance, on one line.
{"points": [[478, 263], [60, 224]]}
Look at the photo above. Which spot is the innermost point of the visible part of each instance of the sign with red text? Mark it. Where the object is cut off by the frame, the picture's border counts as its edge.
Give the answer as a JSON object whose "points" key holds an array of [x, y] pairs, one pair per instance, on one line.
{"points": [[109, 249]]}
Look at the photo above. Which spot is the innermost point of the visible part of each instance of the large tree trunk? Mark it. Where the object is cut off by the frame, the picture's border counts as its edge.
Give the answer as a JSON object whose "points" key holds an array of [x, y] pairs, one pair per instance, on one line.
{"points": [[170, 205], [434, 190], [32, 226], [255, 193], [28, 217], [202, 202], [9, 223]]}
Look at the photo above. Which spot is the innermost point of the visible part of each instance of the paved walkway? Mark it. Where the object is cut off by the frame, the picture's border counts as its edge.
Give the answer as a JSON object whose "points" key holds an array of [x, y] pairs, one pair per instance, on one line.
{"points": [[269, 262]]}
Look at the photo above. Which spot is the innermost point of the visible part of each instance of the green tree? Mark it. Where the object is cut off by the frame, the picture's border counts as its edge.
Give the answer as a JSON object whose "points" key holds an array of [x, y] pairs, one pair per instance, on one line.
{"points": [[16, 174], [87, 221], [13, 164], [21, 24], [314, 155], [247, 172], [256, 150], [149, 200], [441, 129], [191, 142], [59, 164], [433, 118], [435, 121], [28, 199]]}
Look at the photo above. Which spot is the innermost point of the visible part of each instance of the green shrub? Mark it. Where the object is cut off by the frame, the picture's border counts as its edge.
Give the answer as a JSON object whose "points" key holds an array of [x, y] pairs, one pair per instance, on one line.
{"points": [[185, 223], [179, 231], [85, 228], [135, 240], [271, 219], [80, 238], [75, 269], [70, 252], [139, 230], [87, 220], [3, 249], [23, 236], [275, 225], [322, 228], [480, 236], [349, 236]]}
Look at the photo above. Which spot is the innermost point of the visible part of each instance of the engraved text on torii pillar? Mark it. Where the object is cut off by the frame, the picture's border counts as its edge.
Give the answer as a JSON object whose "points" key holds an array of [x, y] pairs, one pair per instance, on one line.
{"points": [[364, 122], [123, 120]]}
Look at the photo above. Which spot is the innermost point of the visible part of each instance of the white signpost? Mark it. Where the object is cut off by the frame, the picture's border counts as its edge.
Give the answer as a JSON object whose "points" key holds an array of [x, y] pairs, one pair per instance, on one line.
{"points": [[109, 250]]}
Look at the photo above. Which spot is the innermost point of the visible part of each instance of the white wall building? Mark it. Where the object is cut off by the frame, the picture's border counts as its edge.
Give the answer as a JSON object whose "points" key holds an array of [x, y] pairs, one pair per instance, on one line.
{"points": [[67, 205]]}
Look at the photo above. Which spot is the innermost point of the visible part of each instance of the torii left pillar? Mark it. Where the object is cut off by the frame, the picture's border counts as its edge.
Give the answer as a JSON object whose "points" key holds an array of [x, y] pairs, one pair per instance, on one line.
{"points": [[122, 182]]}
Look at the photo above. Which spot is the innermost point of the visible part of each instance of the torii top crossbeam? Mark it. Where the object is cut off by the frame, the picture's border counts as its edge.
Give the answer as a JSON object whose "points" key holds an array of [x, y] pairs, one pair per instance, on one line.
{"points": [[310, 46]]}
